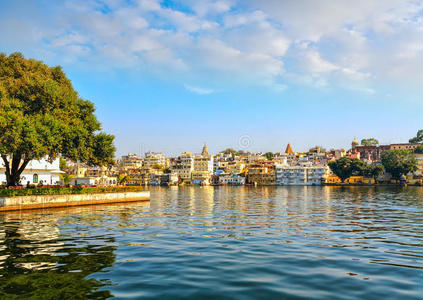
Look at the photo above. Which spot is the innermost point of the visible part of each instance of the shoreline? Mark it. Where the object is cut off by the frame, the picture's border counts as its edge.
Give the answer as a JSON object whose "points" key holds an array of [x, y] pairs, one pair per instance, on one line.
{"points": [[18, 203]]}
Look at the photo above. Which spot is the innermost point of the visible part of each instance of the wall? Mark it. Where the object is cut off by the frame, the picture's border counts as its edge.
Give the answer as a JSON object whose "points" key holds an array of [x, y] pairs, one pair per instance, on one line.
{"points": [[48, 201]]}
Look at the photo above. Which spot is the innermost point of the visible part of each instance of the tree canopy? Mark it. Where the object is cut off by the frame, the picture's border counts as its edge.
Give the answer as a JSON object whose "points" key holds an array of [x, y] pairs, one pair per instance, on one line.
{"points": [[269, 155], [369, 142], [345, 167], [41, 115], [418, 138], [399, 162], [230, 151]]}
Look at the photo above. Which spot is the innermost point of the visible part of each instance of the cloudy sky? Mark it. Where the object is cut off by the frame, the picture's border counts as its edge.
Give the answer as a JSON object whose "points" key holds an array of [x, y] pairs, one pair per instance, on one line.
{"points": [[251, 74]]}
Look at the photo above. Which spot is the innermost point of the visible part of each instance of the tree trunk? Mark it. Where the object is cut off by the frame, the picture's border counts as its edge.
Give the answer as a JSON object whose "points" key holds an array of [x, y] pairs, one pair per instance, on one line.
{"points": [[14, 171]]}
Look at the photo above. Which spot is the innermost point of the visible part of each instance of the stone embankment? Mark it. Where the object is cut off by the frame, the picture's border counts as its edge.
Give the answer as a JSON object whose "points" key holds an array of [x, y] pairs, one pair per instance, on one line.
{"points": [[51, 201]]}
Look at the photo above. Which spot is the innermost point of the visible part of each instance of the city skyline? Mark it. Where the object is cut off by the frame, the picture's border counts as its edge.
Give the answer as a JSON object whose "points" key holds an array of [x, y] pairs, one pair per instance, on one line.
{"points": [[166, 76]]}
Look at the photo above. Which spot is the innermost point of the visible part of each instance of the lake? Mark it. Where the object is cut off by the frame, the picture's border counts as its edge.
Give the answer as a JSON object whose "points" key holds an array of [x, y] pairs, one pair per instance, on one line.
{"points": [[221, 243]]}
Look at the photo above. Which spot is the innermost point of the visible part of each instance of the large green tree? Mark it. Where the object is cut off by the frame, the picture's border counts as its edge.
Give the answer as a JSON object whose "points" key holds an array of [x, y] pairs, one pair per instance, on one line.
{"points": [[399, 162], [41, 115], [418, 138], [369, 142], [345, 167], [269, 155]]}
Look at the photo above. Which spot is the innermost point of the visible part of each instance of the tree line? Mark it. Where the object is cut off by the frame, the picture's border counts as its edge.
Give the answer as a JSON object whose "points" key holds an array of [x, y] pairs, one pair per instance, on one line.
{"points": [[397, 162]]}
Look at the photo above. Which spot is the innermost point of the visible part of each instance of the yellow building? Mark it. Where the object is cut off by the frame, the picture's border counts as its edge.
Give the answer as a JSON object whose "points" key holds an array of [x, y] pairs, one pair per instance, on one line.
{"points": [[261, 174], [351, 180]]}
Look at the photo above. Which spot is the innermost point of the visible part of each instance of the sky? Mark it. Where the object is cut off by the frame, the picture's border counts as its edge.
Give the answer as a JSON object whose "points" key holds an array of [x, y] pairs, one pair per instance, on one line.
{"points": [[167, 76]]}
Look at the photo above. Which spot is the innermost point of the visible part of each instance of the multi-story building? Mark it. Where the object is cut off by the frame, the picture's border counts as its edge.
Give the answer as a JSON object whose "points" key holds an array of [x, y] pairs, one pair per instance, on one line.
{"points": [[262, 173], [153, 159], [203, 167], [183, 166], [130, 162], [300, 175]]}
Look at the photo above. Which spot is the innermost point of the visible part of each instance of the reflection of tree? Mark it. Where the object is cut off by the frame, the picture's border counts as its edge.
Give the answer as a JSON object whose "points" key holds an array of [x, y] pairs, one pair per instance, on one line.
{"points": [[62, 274]]}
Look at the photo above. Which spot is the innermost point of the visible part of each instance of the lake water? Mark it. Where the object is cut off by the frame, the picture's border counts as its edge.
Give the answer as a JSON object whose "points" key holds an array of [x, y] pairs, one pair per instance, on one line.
{"points": [[221, 243]]}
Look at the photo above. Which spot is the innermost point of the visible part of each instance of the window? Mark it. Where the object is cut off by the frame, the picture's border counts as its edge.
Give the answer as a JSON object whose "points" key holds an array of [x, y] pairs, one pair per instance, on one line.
{"points": [[35, 178]]}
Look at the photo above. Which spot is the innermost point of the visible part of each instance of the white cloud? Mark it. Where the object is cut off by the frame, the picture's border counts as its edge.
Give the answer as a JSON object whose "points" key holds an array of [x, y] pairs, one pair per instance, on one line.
{"points": [[198, 90], [271, 43]]}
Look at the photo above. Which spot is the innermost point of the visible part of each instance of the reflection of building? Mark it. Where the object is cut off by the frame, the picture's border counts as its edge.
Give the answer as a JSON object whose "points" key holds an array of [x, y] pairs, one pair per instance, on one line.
{"points": [[36, 172]]}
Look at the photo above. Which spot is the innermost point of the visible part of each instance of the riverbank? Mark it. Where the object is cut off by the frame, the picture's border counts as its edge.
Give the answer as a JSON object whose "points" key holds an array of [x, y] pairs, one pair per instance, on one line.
{"points": [[24, 199]]}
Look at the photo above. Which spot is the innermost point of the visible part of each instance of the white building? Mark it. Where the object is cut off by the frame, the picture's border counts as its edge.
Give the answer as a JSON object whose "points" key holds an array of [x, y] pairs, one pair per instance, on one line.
{"points": [[37, 172], [203, 167], [232, 179], [154, 159], [300, 175], [130, 162], [184, 165]]}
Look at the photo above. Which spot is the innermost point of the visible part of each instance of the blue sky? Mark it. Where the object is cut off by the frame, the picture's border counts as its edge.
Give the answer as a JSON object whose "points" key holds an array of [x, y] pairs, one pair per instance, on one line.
{"points": [[254, 75]]}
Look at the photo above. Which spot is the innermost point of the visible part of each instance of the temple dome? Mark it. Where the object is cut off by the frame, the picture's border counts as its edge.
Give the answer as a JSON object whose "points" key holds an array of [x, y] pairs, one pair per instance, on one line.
{"points": [[205, 151], [355, 142]]}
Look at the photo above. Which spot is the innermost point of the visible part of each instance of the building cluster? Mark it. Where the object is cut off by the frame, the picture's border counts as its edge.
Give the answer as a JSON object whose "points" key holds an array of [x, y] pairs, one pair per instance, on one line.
{"points": [[228, 167]]}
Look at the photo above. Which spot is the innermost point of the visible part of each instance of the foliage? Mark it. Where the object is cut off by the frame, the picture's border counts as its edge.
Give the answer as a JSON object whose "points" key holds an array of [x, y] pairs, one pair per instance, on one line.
{"points": [[67, 190], [41, 115], [419, 149], [167, 170], [373, 171], [418, 138], [157, 167], [63, 164], [66, 178], [269, 155], [123, 179], [369, 142], [345, 167], [399, 162], [231, 151]]}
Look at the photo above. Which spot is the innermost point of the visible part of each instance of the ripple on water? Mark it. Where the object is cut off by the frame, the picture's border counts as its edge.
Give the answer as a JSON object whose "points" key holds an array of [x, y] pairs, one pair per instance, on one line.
{"points": [[223, 242]]}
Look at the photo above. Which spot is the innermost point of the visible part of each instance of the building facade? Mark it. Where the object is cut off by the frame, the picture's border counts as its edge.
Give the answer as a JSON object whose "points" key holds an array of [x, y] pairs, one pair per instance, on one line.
{"points": [[300, 175], [37, 172]]}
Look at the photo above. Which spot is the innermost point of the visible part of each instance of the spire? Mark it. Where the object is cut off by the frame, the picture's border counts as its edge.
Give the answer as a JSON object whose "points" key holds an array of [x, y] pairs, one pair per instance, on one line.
{"points": [[288, 149], [205, 151]]}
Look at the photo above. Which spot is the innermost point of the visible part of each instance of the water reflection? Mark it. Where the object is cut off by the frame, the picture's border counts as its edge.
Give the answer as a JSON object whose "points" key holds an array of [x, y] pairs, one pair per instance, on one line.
{"points": [[41, 258], [222, 242]]}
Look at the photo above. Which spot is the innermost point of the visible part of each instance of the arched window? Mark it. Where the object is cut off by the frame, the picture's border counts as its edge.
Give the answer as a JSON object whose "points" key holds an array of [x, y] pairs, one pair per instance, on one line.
{"points": [[35, 178]]}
